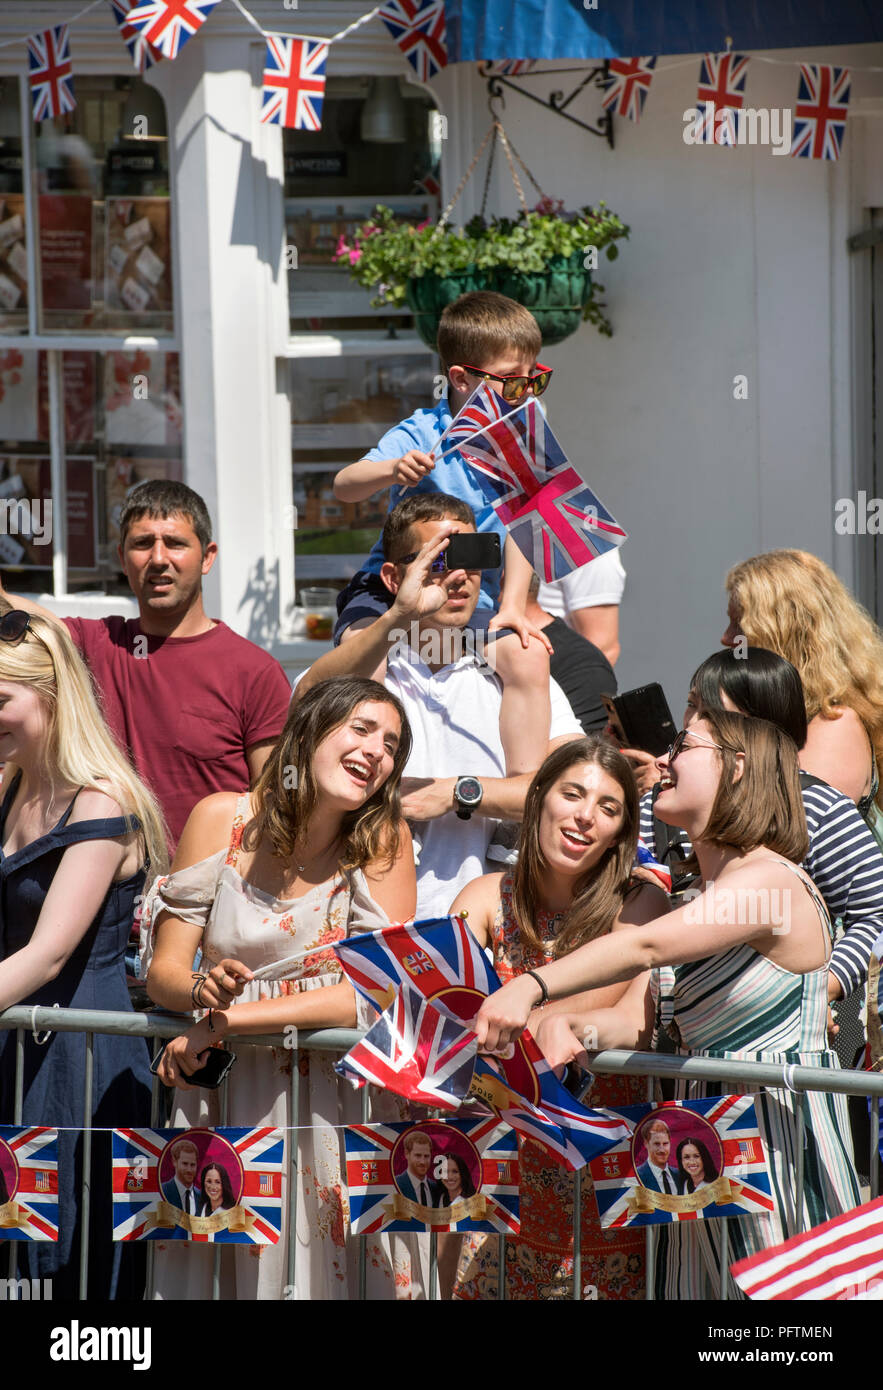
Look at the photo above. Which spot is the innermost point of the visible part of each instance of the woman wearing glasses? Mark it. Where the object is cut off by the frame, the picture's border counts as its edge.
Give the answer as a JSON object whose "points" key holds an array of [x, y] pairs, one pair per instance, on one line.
{"points": [[739, 971], [78, 830]]}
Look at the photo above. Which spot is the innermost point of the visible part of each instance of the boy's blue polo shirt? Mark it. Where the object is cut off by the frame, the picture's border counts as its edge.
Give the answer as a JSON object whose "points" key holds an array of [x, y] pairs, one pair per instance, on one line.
{"points": [[422, 430]]}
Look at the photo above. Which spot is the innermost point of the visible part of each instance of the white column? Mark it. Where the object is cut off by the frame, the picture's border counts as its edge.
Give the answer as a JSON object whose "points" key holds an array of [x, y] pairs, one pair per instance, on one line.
{"points": [[231, 309]]}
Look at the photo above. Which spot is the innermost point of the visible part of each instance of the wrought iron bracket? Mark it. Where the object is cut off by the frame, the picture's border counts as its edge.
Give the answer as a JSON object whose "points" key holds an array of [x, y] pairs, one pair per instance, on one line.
{"points": [[556, 101]]}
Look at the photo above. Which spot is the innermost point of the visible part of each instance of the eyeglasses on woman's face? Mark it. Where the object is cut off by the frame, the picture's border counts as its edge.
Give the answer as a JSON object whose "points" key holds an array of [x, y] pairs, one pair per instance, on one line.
{"points": [[680, 744]]}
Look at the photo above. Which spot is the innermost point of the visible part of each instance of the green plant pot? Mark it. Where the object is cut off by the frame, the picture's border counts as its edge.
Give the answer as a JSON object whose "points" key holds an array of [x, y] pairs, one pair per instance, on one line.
{"points": [[555, 296]]}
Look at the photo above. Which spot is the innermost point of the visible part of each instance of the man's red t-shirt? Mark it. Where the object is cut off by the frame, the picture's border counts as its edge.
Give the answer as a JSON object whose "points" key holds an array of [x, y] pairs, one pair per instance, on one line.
{"points": [[185, 709]]}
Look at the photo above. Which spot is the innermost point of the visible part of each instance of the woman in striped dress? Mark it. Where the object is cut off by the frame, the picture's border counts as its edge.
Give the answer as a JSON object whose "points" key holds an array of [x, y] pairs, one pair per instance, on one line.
{"points": [[739, 971]]}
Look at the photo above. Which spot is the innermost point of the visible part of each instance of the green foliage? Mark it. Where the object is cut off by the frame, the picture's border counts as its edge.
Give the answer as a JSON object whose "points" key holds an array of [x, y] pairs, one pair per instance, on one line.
{"points": [[386, 252]]}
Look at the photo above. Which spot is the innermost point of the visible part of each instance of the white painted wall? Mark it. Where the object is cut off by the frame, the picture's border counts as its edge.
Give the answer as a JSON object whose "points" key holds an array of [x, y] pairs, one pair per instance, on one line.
{"points": [[736, 263]]}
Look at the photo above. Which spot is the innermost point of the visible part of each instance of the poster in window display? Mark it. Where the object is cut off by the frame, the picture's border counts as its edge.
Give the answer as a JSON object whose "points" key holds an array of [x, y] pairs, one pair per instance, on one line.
{"points": [[78, 384], [123, 476], [18, 395], [142, 399], [26, 512], [13, 260], [66, 252], [138, 257]]}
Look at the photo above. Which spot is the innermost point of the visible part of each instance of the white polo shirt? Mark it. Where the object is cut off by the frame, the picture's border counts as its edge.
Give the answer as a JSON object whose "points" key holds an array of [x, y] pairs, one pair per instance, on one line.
{"points": [[602, 581], [454, 715]]}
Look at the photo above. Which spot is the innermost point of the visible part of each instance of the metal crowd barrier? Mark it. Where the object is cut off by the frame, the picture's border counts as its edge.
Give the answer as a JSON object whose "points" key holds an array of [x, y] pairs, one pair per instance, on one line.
{"points": [[651, 1065]]}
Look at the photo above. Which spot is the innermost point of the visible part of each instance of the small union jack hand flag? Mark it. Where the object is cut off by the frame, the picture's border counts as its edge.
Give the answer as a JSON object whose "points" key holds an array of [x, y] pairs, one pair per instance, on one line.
{"points": [[168, 24], [51, 74], [628, 85], [418, 27], [294, 83], [821, 111], [143, 54], [721, 93]]}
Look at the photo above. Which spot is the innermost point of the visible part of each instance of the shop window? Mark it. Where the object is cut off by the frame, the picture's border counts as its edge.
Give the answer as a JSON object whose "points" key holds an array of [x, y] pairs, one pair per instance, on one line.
{"points": [[354, 371]]}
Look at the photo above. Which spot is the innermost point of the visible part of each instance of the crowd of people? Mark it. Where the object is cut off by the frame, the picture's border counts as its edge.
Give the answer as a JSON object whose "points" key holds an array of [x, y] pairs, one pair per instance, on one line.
{"points": [[162, 768]]}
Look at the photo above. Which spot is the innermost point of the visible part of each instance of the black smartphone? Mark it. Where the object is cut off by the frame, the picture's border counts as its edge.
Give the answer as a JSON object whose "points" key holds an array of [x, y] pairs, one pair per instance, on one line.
{"points": [[466, 551], [209, 1076], [577, 1080], [641, 718]]}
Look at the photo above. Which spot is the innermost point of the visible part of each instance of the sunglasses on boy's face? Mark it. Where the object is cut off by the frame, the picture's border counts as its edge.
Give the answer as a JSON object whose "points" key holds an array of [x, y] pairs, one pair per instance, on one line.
{"points": [[514, 387]]}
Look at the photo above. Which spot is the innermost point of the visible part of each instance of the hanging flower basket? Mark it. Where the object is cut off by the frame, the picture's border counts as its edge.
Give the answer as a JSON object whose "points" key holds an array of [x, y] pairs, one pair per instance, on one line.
{"points": [[556, 296], [543, 258]]}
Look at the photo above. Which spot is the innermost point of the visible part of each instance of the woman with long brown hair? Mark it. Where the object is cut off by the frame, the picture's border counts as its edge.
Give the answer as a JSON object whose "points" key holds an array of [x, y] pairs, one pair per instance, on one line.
{"points": [[269, 881], [572, 883]]}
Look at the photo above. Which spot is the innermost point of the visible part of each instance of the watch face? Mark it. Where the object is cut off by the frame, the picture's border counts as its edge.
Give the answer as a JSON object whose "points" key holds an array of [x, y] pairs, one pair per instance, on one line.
{"points": [[469, 790]]}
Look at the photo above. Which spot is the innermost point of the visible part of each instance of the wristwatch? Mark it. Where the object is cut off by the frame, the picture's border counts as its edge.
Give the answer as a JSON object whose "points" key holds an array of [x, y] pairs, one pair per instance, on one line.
{"points": [[468, 792]]}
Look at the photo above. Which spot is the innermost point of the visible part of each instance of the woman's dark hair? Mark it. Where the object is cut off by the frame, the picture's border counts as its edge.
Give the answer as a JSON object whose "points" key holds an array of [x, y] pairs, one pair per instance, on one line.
{"points": [[467, 1186], [598, 895], [759, 683], [286, 793], [709, 1168], [227, 1198]]}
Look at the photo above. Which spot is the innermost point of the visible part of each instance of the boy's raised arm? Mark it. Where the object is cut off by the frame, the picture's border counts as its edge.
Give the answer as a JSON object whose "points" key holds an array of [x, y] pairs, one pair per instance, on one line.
{"points": [[359, 481]]}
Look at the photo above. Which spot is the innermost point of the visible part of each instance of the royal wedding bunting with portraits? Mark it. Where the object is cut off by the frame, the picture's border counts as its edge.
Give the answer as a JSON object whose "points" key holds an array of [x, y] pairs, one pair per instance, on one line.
{"points": [[684, 1161], [223, 1186], [28, 1182], [435, 1175]]}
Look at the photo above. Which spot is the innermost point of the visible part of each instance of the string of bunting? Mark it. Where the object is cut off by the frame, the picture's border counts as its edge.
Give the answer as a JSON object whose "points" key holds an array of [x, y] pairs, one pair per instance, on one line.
{"points": [[294, 70]]}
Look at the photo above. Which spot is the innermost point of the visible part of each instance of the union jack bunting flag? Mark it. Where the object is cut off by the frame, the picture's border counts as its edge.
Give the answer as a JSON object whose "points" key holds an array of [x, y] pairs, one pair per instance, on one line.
{"points": [[29, 1190], [143, 54], [554, 518], [720, 1133], [294, 83], [645, 860], [429, 184], [440, 958], [380, 1198], [416, 1052], [51, 73], [841, 1260], [418, 27], [627, 86], [147, 1191], [168, 24], [721, 93], [821, 111]]}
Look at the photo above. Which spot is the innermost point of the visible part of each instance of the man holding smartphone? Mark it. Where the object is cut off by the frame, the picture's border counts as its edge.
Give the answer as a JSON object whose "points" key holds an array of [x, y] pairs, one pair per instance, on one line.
{"points": [[444, 669]]}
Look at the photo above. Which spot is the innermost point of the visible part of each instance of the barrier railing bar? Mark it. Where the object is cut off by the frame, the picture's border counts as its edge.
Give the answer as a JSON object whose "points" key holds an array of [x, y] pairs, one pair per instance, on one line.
{"points": [[874, 1156], [650, 1233], [18, 1106], [800, 1142], [577, 1235], [223, 1111], [151, 1245], [501, 1264], [292, 1141], [363, 1240], [86, 1193], [725, 1261]]}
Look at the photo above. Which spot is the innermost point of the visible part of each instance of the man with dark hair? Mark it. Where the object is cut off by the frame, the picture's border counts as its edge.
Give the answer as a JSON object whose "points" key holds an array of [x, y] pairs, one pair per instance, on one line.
{"points": [[443, 671], [655, 1173], [196, 707]]}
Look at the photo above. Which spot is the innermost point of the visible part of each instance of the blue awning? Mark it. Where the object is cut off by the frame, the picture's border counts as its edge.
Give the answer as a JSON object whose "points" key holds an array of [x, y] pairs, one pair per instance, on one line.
{"points": [[630, 28]]}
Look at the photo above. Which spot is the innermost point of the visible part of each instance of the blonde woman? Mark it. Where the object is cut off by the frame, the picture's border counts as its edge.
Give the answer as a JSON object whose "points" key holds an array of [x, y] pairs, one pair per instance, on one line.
{"points": [[78, 831], [791, 603]]}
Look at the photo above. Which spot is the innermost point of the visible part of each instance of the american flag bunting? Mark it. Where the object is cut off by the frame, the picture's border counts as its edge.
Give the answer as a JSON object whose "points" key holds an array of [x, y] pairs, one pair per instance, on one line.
{"points": [[418, 27], [50, 73], [255, 1219], [839, 1261], [168, 24], [143, 54], [820, 112], [628, 83], [294, 83], [31, 1209]]}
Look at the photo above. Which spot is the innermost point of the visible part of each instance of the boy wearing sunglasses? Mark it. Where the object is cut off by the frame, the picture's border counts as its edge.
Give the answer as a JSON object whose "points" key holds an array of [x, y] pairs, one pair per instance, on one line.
{"points": [[482, 337]]}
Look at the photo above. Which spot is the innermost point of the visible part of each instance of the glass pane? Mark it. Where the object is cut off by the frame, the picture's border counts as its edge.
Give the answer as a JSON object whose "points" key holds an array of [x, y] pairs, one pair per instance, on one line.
{"points": [[103, 203], [123, 424], [341, 407], [13, 229]]}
